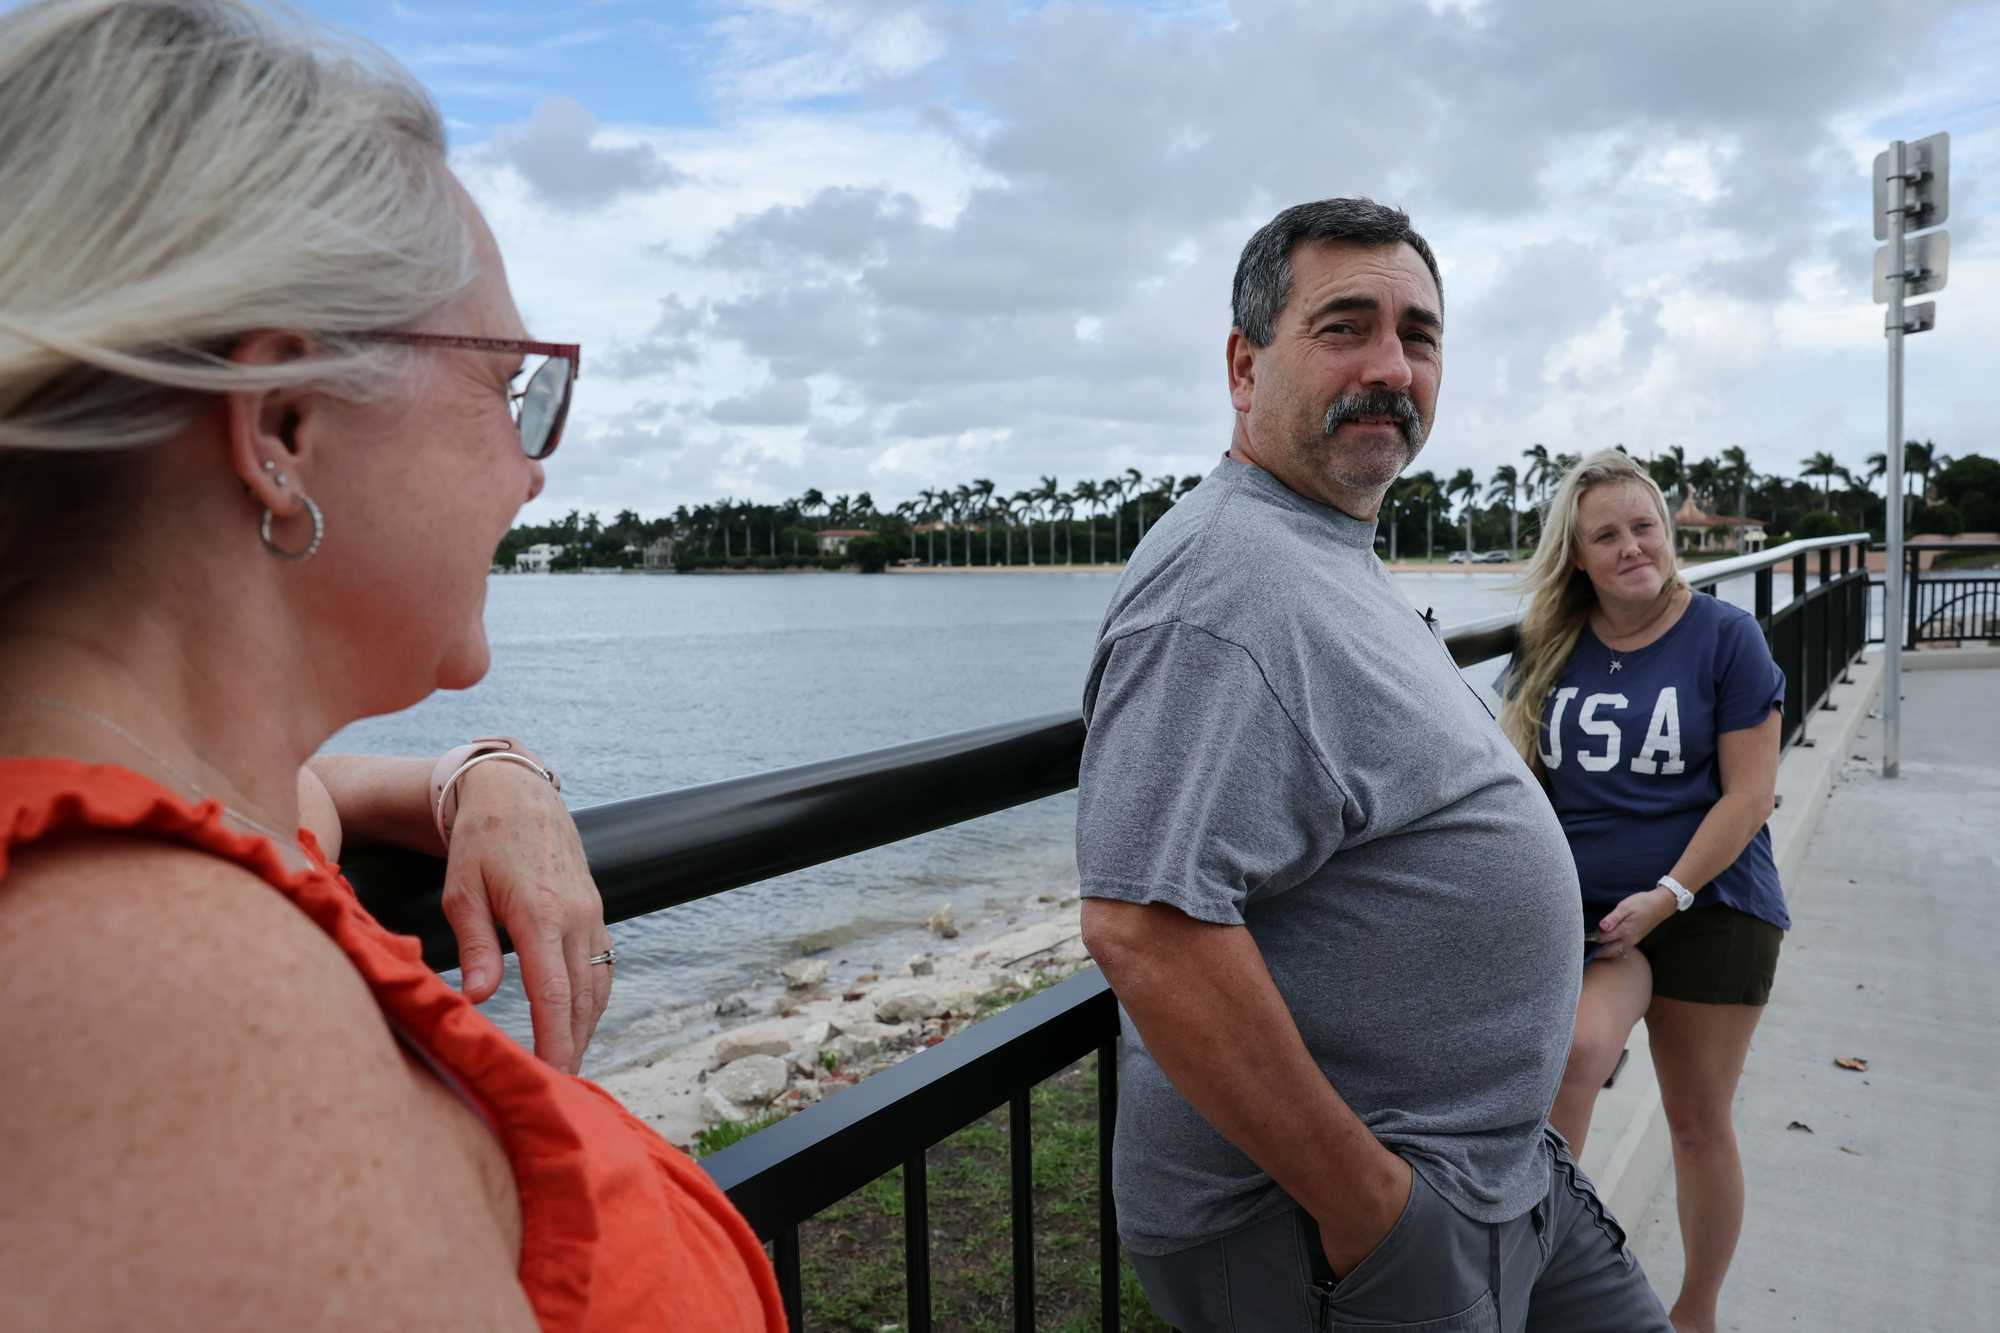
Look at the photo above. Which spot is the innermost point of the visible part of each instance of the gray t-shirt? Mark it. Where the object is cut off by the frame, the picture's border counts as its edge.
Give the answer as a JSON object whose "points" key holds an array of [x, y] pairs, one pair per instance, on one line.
{"points": [[1278, 740]]}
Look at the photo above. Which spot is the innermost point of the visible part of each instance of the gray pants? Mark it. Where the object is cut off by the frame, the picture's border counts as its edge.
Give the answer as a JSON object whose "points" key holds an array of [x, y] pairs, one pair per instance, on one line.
{"points": [[1563, 1267]]}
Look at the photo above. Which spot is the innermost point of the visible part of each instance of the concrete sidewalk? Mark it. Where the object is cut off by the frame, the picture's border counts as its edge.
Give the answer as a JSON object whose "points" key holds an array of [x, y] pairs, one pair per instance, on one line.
{"points": [[1885, 1217]]}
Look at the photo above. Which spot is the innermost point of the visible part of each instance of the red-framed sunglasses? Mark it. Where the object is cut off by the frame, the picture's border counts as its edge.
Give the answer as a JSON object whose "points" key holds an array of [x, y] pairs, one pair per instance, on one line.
{"points": [[541, 407]]}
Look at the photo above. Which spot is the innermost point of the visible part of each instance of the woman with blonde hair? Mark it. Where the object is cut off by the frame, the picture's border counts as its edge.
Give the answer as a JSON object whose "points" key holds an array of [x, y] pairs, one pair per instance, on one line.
{"points": [[266, 409], [1652, 715]]}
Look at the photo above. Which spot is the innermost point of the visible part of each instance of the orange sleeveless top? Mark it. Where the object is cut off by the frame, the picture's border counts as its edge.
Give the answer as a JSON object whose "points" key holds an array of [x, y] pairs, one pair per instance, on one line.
{"points": [[619, 1230]]}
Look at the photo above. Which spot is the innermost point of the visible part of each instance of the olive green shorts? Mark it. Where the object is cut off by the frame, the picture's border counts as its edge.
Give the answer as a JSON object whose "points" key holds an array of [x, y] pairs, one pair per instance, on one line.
{"points": [[1711, 954]]}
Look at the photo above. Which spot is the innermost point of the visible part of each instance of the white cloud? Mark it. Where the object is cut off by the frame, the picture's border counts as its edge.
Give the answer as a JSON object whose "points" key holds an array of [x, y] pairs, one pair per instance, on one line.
{"points": [[924, 242]]}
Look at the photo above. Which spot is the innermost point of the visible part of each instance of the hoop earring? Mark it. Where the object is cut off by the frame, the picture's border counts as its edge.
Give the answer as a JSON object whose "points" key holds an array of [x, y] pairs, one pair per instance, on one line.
{"points": [[312, 547]]}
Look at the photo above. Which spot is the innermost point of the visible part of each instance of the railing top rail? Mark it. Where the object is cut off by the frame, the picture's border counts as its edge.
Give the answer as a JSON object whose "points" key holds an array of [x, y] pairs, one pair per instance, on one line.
{"points": [[1715, 571], [1969, 547]]}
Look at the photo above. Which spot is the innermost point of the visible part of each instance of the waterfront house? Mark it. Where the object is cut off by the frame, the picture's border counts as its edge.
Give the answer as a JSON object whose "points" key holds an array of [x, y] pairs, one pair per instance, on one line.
{"points": [[1700, 531], [660, 553], [833, 541], [537, 558]]}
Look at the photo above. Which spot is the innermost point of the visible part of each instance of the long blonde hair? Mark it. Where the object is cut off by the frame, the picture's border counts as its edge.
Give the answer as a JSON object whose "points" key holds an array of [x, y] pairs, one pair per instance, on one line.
{"points": [[1560, 594], [180, 172]]}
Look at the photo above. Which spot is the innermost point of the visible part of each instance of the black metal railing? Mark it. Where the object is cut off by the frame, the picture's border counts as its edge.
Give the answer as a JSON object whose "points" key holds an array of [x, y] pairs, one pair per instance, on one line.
{"points": [[1943, 605], [659, 851]]}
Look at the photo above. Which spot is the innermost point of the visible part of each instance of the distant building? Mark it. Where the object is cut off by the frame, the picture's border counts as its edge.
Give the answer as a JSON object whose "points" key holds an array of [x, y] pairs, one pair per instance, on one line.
{"points": [[660, 553], [833, 541], [1699, 531], [537, 558]]}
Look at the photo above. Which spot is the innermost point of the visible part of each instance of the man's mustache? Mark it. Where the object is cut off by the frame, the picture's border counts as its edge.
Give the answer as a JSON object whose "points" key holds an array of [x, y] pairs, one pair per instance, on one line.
{"points": [[1398, 407]]}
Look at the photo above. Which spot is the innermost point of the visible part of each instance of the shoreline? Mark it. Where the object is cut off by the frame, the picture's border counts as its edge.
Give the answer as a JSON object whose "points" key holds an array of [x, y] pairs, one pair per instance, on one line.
{"points": [[774, 1055]]}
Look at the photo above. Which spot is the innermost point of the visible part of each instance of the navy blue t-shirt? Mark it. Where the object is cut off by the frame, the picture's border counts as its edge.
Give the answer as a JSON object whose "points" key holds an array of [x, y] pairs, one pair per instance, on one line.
{"points": [[1629, 744]]}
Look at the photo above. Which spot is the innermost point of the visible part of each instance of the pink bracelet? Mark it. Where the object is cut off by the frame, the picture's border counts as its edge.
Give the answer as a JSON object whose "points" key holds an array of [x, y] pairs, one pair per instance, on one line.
{"points": [[454, 763]]}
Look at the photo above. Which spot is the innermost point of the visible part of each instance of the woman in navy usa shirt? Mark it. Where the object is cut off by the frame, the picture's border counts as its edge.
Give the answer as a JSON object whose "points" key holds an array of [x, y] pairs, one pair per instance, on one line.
{"points": [[1652, 714]]}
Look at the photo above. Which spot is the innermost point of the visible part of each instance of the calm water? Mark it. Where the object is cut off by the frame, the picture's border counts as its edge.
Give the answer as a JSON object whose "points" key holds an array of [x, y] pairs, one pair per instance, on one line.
{"points": [[638, 684]]}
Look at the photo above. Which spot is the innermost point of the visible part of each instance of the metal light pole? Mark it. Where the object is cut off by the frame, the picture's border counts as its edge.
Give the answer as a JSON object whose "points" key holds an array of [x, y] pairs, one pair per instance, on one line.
{"points": [[1910, 195], [1892, 567]]}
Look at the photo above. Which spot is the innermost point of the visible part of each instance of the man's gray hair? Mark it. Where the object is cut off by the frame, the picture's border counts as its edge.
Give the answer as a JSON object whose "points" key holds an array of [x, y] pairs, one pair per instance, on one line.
{"points": [[1264, 273]]}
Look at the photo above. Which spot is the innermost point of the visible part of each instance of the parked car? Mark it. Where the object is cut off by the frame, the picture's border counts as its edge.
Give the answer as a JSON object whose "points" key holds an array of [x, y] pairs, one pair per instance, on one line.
{"points": [[1493, 558], [1459, 558]]}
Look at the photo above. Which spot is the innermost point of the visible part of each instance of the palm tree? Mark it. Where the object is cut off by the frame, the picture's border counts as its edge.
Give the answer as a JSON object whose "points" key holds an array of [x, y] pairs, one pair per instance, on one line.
{"points": [[1878, 468], [1019, 508], [1822, 464], [931, 500], [1919, 461], [811, 502], [1112, 492], [1131, 486], [964, 505], [1503, 487], [908, 511], [1093, 500], [982, 488], [1667, 474], [1048, 496], [1423, 490], [1736, 468], [1703, 476], [1537, 475], [1465, 486]]}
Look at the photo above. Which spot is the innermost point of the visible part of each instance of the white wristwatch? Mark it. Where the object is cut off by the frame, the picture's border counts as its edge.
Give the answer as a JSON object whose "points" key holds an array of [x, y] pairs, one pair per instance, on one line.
{"points": [[1682, 898]]}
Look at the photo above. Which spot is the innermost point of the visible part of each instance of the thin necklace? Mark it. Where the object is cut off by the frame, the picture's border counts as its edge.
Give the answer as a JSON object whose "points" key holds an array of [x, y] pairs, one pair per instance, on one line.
{"points": [[284, 839], [1618, 654]]}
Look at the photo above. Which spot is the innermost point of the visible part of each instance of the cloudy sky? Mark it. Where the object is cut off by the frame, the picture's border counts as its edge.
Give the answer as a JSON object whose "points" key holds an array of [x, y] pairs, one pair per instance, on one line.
{"points": [[885, 245]]}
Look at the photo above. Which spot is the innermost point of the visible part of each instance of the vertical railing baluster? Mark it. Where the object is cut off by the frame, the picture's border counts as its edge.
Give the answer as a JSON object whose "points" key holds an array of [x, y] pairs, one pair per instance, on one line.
{"points": [[1024, 1212], [917, 1241], [1828, 605], [1915, 575], [1107, 1206], [1801, 663], [1764, 598], [1847, 613], [790, 1289]]}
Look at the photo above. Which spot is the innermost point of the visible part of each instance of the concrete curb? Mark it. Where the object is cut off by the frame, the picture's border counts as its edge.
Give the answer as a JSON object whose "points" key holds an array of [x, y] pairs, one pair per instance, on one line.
{"points": [[1628, 1153], [1951, 659]]}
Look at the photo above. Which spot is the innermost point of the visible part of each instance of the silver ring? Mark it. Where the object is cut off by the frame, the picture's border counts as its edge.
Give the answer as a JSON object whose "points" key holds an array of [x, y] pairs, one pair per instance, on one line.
{"points": [[608, 957]]}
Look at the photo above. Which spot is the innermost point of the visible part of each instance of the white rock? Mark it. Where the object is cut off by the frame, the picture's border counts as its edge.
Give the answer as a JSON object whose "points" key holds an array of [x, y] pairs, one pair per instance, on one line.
{"points": [[717, 1109], [807, 1090], [1032, 942], [735, 1006], [733, 1046], [752, 1081], [817, 1034], [861, 1041], [922, 965], [943, 923], [902, 1005], [802, 973]]}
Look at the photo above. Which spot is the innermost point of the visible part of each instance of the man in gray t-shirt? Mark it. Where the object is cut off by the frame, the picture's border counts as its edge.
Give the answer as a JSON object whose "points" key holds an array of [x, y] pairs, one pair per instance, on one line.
{"points": [[1340, 917]]}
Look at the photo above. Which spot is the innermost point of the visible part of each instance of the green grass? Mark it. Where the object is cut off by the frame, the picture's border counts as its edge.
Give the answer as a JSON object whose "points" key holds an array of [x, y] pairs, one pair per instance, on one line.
{"points": [[711, 1141], [852, 1253]]}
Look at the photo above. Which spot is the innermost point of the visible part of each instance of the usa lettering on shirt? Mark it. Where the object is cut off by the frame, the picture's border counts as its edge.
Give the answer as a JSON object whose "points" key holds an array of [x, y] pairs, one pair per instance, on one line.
{"points": [[1659, 753]]}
